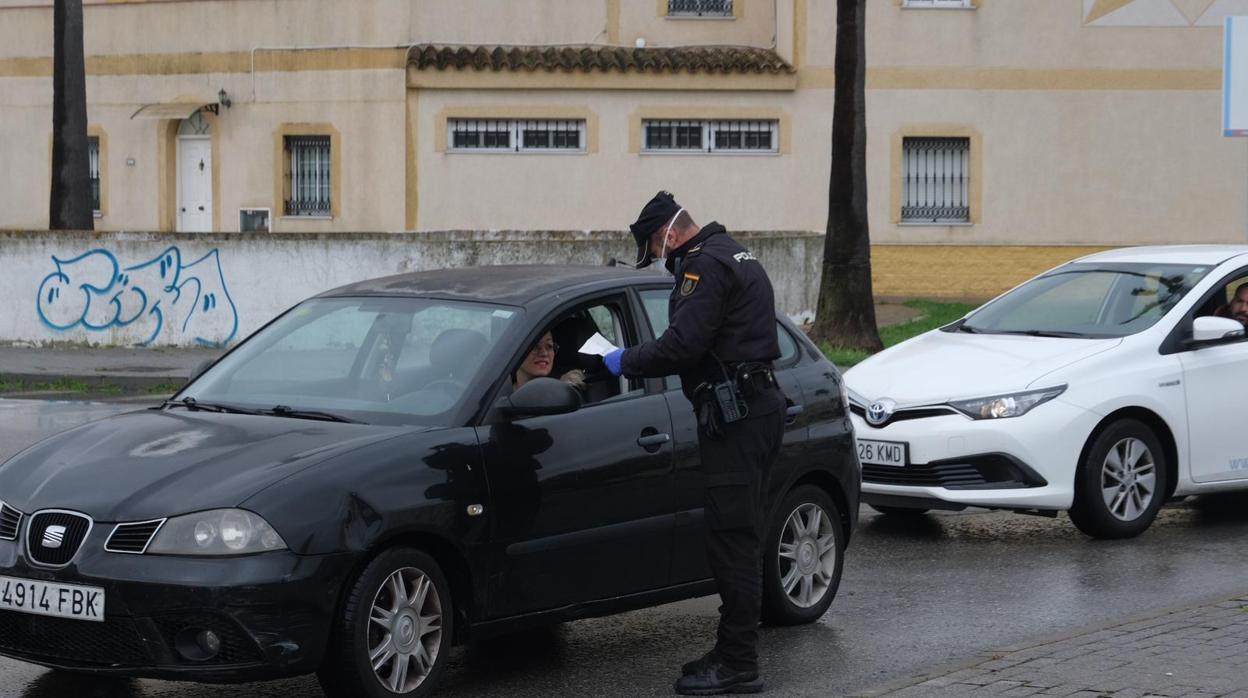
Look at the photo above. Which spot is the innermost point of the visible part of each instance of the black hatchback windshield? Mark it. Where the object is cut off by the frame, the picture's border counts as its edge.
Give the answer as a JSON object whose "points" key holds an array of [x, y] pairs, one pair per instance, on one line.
{"points": [[376, 360], [1088, 300]]}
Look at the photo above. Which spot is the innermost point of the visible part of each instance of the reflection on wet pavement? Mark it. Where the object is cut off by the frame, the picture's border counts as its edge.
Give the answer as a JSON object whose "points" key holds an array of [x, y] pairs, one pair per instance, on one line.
{"points": [[917, 593]]}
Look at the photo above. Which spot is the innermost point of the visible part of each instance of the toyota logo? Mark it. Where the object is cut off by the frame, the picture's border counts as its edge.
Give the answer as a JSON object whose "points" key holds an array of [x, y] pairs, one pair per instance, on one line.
{"points": [[880, 411]]}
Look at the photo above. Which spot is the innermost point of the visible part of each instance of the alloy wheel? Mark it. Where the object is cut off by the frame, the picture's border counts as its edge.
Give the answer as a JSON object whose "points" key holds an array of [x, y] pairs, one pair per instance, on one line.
{"points": [[807, 555], [1128, 479], [405, 630]]}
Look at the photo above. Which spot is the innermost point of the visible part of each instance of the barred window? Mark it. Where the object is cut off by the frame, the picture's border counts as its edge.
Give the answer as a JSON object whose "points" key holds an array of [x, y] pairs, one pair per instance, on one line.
{"points": [[673, 135], [955, 4], [93, 161], [480, 134], [516, 135], [699, 8], [936, 180], [719, 136], [744, 135], [308, 175]]}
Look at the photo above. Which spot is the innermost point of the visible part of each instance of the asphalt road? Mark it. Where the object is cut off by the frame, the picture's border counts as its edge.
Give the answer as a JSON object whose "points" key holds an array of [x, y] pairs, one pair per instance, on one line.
{"points": [[915, 595]]}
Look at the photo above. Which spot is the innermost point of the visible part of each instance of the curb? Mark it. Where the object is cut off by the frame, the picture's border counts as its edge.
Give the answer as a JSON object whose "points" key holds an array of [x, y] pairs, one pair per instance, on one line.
{"points": [[992, 654]]}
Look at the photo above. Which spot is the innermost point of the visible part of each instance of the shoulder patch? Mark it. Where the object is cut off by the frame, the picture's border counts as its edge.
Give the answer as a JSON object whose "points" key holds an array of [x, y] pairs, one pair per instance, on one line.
{"points": [[689, 283], [744, 256]]}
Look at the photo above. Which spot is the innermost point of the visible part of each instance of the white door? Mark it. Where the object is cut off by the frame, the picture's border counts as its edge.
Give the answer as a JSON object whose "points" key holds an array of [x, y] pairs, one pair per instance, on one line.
{"points": [[1215, 380], [194, 185]]}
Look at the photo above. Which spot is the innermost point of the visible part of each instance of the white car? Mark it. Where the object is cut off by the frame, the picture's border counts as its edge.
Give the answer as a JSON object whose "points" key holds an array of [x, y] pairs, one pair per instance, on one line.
{"points": [[1104, 387]]}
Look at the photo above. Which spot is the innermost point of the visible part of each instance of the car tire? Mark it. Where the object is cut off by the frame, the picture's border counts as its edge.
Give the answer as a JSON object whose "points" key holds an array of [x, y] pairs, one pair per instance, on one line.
{"points": [[899, 511], [412, 638], [802, 567], [1121, 483]]}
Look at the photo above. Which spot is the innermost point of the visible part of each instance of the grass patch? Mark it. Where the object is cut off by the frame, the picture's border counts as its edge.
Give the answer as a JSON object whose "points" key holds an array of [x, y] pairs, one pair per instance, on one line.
{"points": [[933, 314], [60, 385], [164, 388]]}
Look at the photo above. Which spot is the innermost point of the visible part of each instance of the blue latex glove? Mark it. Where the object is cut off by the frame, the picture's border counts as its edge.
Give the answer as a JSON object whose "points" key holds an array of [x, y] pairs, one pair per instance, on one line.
{"points": [[612, 361]]}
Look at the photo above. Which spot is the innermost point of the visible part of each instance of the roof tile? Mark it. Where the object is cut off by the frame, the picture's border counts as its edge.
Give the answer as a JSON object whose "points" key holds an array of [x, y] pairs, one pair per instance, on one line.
{"points": [[602, 59]]}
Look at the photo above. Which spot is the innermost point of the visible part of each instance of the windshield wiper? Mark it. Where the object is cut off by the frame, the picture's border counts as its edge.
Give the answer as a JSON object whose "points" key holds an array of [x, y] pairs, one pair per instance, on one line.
{"points": [[194, 405], [959, 326], [1046, 333], [285, 411]]}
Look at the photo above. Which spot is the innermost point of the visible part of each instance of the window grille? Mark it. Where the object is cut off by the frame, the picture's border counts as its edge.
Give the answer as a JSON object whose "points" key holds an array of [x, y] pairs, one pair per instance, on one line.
{"points": [[956, 4], [699, 8], [743, 135], [936, 180], [719, 136], [480, 134], [551, 135], [309, 178], [673, 135], [93, 161], [517, 135]]}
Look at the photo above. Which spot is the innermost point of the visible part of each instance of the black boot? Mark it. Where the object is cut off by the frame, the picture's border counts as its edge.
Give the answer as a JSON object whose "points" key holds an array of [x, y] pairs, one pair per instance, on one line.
{"points": [[700, 663], [715, 678]]}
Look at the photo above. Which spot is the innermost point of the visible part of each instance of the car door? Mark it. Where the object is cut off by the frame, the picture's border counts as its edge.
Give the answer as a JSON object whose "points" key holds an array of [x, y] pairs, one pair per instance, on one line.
{"points": [[1215, 384], [689, 557], [582, 502]]}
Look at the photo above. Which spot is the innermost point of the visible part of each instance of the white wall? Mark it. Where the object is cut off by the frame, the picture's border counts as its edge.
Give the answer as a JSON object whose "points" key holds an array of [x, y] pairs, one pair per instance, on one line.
{"points": [[155, 289]]}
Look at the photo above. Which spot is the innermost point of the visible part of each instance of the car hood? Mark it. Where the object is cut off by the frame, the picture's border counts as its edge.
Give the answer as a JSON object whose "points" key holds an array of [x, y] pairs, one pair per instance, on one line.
{"points": [[153, 463], [939, 366]]}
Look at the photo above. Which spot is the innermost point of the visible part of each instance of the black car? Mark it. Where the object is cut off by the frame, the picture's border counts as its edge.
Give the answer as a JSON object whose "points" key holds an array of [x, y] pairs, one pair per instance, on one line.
{"points": [[357, 486]]}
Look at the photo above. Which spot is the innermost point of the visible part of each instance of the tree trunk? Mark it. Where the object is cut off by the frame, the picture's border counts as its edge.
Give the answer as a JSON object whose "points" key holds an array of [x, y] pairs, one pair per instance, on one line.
{"points": [[71, 202], [845, 316]]}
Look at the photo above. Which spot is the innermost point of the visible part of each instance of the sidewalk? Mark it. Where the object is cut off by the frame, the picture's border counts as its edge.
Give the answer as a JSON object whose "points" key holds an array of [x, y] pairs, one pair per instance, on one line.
{"points": [[1196, 651]]}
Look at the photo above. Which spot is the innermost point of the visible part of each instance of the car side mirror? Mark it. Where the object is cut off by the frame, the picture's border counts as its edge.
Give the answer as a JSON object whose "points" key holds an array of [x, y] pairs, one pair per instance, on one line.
{"points": [[199, 370], [1215, 330], [540, 397]]}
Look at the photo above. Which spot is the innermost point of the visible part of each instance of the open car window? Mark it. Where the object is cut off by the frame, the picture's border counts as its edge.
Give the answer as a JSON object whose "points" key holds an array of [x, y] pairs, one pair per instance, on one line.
{"points": [[570, 330], [374, 360]]}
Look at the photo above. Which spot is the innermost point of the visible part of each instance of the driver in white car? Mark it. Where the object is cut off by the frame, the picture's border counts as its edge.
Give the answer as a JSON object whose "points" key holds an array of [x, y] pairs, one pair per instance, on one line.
{"points": [[1238, 308]]}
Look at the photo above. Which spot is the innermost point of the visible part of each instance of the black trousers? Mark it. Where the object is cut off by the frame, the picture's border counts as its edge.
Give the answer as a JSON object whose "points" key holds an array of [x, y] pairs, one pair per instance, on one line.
{"points": [[735, 470]]}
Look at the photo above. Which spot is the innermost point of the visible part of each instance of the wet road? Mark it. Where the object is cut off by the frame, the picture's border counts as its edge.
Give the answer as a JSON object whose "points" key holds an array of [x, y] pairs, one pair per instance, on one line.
{"points": [[915, 595]]}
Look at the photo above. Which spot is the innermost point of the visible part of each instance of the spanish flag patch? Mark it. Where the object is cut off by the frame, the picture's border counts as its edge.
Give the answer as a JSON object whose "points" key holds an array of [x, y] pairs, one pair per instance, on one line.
{"points": [[690, 283]]}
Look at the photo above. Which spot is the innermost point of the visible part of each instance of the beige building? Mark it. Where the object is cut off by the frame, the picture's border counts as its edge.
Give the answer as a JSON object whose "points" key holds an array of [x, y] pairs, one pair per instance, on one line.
{"points": [[1019, 130]]}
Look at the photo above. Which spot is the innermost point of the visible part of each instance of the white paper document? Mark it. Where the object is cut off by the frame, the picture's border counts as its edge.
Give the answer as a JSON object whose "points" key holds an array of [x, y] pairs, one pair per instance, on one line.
{"points": [[597, 345]]}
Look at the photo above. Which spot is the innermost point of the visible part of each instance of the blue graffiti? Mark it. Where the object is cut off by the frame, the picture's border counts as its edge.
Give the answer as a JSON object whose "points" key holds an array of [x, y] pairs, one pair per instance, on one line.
{"points": [[95, 292]]}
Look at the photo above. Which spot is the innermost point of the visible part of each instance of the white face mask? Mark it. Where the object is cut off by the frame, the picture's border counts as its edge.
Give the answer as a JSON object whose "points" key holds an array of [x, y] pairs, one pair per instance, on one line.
{"points": [[661, 261]]}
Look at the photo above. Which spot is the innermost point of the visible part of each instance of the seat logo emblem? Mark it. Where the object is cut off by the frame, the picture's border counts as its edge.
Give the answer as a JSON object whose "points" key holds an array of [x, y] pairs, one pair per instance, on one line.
{"points": [[53, 536], [880, 411]]}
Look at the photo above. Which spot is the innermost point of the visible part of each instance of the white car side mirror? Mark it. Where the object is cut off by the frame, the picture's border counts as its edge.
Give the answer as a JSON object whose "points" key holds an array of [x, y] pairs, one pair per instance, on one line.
{"points": [[1212, 329]]}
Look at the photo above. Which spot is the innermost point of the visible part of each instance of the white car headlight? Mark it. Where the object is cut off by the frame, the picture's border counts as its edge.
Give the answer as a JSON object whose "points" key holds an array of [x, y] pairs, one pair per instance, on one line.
{"points": [[217, 532], [1002, 406]]}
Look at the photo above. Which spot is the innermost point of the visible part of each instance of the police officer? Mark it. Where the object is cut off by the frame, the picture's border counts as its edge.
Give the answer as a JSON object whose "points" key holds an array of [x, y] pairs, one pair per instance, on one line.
{"points": [[721, 340]]}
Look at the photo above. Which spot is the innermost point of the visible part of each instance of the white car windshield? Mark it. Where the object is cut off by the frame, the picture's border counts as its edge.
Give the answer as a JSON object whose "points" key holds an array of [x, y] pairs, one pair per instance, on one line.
{"points": [[1087, 300], [376, 360]]}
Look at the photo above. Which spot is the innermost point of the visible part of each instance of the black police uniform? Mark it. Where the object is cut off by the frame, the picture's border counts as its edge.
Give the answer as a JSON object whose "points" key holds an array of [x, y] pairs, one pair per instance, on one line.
{"points": [[722, 317]]}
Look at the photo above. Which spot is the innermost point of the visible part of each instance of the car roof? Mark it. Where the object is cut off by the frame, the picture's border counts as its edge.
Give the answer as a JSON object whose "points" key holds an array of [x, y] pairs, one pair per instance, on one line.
{"points": [[505, 284], [1169, 254]]}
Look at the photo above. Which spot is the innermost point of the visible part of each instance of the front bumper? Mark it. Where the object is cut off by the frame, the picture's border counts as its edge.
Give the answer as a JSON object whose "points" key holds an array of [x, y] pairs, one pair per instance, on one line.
{"points": [[1026, 462], [272, 613]]}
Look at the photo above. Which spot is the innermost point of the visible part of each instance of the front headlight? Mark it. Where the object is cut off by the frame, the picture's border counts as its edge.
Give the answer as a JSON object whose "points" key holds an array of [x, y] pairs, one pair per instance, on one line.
{"points": [[1002, 406], [218, 532]]}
